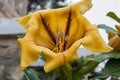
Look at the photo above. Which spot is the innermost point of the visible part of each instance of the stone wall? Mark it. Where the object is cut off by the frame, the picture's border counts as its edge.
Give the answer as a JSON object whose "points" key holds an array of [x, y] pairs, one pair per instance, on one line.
{"points": [[13, 8], [9, 58]]}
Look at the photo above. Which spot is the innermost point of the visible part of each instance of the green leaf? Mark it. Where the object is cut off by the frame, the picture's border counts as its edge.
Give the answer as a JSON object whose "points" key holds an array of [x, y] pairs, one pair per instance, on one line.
{"points": [[112, 68], [89, 64], [31, 74], [113, 16], [42, 57], [20, 36], [97, 76], [86, 68], [77, 64], [102, 56], [108, 29]]}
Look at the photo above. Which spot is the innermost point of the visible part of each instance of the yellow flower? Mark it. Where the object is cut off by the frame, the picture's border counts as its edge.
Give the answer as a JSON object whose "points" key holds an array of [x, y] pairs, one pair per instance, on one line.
{"points": [[58, 33], [114, 40]]}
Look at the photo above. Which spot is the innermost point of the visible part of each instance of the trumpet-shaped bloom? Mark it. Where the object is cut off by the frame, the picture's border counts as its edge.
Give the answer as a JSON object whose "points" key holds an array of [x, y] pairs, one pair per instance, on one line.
{"points": [[114, 40], [58, 33]]}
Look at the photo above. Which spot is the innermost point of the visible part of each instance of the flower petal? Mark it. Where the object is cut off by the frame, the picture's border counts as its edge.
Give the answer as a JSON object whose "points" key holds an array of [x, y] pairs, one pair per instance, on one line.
{"points": [[54, 60], [115, 43], [82, 6], [38, 33], [117, 27], [78, 27], [30, 52], [44, 25], [110, 35], [24, 21], [94, 42], [43, 28]]}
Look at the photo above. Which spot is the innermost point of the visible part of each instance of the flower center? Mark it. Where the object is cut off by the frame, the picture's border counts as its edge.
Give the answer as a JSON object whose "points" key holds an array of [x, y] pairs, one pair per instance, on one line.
{"points": [[60, 42]]}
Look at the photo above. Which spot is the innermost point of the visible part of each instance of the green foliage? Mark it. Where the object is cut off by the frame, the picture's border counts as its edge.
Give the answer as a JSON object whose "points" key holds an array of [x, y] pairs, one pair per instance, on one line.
{"points": [[112, 68], [103, 56], [31, 74], [87, 67], [20, 36], [97, 76], [76, 65], [42, 57], [113, 16], [90, 62], [65, 72], [108, 29]]}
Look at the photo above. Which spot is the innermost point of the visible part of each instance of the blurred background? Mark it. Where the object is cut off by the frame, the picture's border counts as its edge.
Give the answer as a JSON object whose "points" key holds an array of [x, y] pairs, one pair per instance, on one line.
{"points": [[10, 29]]}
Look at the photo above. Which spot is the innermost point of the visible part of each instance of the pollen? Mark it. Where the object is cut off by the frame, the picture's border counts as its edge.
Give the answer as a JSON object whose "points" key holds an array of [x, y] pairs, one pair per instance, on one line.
{"points": [[60, 42]]}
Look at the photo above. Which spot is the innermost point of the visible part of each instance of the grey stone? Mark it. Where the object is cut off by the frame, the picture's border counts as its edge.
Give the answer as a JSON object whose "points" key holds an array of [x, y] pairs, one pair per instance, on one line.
{"points": [[2, 67], [9, 58], [8, 48], [13, 8], [14, 73]]}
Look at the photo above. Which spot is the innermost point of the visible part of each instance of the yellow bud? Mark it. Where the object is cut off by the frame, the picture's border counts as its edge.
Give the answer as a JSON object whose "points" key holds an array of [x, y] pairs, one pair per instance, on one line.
{"points": [[115, 43]]}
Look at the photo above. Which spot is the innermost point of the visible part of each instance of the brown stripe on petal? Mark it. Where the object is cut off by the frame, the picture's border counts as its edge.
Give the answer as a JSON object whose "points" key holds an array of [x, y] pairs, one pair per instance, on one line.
{"points": [[68, 26], [48, 30], [68, 23]]}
